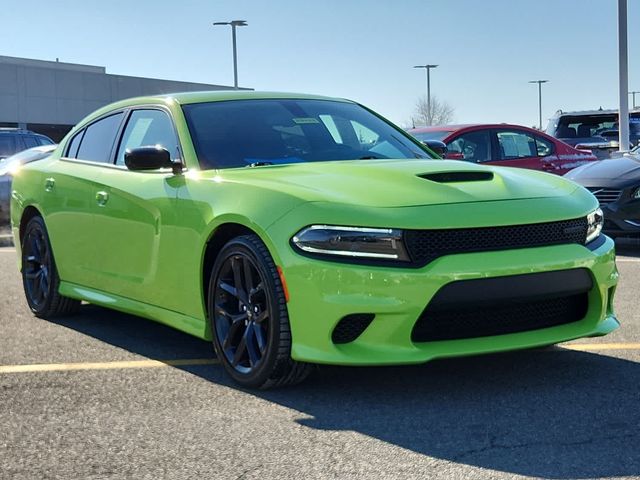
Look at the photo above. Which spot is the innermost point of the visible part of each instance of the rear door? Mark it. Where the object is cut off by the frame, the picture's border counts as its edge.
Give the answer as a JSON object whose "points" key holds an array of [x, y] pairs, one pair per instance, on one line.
{"points": [[522, 149], [69, 190]]}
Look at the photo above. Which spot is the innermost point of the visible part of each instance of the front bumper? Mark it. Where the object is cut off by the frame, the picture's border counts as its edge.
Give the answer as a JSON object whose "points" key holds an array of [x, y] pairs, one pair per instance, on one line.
{"points": [[321, 293]]}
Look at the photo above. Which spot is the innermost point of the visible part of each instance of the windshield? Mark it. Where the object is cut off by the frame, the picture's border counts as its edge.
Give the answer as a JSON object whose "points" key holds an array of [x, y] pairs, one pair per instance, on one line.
{"points": [[436, 135], [241, 133]]}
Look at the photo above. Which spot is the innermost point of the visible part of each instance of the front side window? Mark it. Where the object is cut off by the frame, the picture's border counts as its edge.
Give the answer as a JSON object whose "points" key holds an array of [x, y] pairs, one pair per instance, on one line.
{"points": [[239, 133], [98, 139], [148, 128], [474, 146]]}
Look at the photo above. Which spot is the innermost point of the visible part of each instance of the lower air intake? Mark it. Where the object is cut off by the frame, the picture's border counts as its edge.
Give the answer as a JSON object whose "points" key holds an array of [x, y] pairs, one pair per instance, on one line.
{"points": [[351, 327], [502, 305]]}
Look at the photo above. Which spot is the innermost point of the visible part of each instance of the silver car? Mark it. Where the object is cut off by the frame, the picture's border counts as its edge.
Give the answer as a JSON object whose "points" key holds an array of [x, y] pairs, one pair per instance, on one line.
{"points": [[9, 165]]}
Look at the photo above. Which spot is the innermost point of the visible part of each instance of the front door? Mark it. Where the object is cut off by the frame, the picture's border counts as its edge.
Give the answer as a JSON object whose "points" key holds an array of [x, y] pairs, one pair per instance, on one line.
{"points": [[135, 216]]}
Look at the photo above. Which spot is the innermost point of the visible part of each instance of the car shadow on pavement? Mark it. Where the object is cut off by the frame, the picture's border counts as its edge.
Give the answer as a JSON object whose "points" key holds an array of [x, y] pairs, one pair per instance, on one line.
{"points": [[550, 413], [629, 247]]}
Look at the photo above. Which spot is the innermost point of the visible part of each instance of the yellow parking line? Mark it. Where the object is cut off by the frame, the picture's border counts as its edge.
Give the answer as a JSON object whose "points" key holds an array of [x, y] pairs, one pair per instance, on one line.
{"points": [[586, 347], [629, 260], [57, 367]]}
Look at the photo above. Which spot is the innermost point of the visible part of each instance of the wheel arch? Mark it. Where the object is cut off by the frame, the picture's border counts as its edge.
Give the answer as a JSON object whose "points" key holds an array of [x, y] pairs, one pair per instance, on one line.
{"points": [[219, 235], [27, 214]]}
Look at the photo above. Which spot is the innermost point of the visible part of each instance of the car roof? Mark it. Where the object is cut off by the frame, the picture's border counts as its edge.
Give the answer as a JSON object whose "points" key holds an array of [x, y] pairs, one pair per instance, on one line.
{"points": [[456, 128], [185, 98], [17, 131], [578, 113]]}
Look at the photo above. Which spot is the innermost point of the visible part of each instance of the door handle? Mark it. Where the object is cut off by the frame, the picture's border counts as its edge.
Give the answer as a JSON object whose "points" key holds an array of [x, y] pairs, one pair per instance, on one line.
{"points": [[102, 198], [49, 183]]}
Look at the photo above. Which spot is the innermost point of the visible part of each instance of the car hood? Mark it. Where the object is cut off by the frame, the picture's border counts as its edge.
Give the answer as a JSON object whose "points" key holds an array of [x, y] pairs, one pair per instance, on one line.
{"points": [[398, 183], [615, 173]]}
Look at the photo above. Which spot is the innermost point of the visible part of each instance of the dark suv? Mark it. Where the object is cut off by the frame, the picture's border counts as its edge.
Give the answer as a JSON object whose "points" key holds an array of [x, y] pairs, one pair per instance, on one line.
{"points": [[596, 130], [13, 140]]}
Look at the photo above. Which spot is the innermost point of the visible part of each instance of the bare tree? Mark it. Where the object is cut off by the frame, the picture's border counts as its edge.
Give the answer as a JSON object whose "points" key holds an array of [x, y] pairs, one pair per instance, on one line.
{"points": [[441, 112]]}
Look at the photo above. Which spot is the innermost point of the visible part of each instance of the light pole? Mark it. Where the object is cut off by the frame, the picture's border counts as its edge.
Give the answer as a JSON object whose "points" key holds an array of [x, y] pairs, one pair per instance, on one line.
{"points": [[633, 94], [428, 70], [539, 82], [234, 24], [623, 79]]}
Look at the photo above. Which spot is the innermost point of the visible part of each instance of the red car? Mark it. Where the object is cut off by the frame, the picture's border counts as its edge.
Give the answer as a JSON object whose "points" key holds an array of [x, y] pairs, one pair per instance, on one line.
{"points": [[507, 145]]}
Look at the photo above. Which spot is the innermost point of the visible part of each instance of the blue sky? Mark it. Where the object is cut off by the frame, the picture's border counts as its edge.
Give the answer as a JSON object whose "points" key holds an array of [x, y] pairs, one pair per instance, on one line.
{"points": [[363, 50]]}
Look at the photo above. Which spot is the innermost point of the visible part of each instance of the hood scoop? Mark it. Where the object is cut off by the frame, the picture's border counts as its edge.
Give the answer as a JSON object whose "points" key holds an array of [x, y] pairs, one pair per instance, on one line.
{"points": [[453, 177]]}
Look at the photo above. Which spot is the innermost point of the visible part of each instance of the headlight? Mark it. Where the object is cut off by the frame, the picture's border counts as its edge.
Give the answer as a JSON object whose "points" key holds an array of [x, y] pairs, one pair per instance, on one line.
{"points": [[594, 225], [636, 193], [353, 242]]}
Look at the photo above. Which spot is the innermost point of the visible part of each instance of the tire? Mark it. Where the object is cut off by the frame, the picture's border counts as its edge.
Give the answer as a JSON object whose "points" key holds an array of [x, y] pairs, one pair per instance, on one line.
{"points": [[40, 276], [248, 316]]}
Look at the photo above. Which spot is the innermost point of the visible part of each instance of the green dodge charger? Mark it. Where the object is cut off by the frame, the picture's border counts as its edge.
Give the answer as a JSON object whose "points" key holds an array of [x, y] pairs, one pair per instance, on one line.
{"points": [[293, 230]]}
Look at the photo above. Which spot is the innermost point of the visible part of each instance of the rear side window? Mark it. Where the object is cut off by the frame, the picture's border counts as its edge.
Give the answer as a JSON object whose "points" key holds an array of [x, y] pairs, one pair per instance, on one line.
{"points": [[98, 139], [7, 145], [516, 145], [30, 142], [148, 128], [44, 141], [544, 147]]}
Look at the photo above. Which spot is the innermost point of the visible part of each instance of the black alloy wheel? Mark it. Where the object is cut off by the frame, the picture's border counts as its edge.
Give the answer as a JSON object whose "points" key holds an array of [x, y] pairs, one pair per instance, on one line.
{"points": [[36, 267], [241, 312], [40, 276], [248, 315]]}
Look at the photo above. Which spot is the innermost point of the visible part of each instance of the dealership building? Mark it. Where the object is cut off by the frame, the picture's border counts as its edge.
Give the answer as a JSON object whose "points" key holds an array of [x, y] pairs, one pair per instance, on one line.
{"points": [[50, 97]]}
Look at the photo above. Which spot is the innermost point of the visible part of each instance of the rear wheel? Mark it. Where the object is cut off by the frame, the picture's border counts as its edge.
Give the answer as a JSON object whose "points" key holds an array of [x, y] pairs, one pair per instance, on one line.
{"points": [[248, 315], [40, 276]]}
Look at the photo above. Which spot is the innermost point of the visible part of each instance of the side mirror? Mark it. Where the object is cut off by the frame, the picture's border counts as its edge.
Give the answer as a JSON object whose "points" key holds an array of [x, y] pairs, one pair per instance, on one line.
{"points": [[150, 158], [437, 146]]}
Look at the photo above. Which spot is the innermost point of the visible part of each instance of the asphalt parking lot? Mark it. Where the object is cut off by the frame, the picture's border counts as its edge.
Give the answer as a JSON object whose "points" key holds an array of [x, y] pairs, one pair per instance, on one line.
{"points": [[108, 395]]}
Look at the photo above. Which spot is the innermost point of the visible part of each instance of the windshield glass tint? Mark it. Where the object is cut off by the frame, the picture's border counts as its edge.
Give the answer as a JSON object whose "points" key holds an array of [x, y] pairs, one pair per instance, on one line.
{"points": [[240, 133]]}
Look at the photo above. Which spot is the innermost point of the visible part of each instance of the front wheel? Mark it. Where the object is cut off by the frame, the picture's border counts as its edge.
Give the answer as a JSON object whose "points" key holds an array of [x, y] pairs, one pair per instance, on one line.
{"points": [[249, 320], [40, 276]]}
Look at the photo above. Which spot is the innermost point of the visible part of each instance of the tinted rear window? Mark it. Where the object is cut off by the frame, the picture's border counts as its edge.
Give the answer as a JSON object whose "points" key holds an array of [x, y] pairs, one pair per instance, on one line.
{"points": [[98, 139]]}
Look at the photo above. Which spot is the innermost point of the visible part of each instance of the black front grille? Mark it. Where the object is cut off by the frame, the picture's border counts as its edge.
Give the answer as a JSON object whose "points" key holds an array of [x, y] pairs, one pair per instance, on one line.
{"points": [[502, 305], [605, 195], [425, 246]]}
